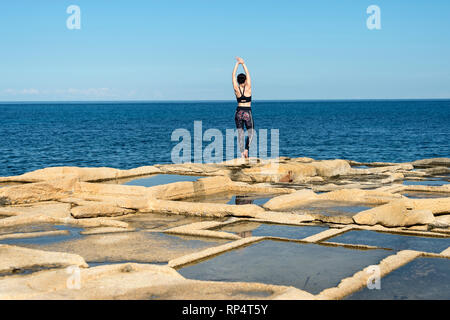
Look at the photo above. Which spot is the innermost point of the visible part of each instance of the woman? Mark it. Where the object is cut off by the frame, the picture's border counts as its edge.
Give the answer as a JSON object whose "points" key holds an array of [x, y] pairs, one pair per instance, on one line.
{"points": [[242, 85]]}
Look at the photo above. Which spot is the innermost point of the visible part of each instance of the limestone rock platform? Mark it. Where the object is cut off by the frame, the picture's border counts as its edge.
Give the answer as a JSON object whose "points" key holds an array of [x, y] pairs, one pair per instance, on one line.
{"points": [[284, 228]]}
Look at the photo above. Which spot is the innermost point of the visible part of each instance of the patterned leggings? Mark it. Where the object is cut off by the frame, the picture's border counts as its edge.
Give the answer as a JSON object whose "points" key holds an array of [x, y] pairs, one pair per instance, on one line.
{"points": [[243, 116]]}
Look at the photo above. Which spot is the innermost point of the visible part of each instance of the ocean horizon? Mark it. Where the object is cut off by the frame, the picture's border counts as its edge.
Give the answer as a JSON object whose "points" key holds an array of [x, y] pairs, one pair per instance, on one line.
{"points": [[127, 134], [218, 100]]}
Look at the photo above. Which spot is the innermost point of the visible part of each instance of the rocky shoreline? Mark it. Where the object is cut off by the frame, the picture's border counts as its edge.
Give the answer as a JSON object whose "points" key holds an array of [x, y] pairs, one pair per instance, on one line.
{"points": [[130, 224]]}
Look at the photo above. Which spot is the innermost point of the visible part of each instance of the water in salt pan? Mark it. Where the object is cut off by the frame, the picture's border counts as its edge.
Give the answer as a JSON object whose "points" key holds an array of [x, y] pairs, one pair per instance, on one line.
{"points": [[158, 179], [73, 233], [393, 241], [103, 263], [38, 227], [138, 246], [360, 167], [232, 198], [425, 195], [421, 279], [250, 228], [159, 221], [333, 208], [431, 182], [309, 267]]}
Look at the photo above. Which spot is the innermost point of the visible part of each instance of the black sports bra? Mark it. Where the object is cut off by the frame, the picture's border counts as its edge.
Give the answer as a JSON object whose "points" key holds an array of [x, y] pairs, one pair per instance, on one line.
{"points": [[242, 98]]}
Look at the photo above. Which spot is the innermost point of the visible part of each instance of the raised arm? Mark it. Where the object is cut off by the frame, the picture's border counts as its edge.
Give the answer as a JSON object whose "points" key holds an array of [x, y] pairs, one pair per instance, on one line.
{"points": [[249, 79], [235, 84]]}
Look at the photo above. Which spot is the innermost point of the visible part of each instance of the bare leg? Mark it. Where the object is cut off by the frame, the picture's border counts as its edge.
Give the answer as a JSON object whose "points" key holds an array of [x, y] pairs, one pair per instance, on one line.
{"points": [[241, 141], [250, 133]]}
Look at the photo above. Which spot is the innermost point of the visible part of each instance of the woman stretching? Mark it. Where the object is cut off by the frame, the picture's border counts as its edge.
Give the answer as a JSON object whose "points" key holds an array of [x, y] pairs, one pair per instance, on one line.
{"points": [[242, 84]]}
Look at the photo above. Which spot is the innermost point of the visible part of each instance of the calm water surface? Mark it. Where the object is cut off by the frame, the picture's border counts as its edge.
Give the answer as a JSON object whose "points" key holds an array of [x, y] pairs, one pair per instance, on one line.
{"points": [[127, 135]]}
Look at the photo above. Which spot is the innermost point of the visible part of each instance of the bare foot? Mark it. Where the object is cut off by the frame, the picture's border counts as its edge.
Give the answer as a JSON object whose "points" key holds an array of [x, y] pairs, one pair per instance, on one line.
{"points": [[246, 153], [243, 154]]}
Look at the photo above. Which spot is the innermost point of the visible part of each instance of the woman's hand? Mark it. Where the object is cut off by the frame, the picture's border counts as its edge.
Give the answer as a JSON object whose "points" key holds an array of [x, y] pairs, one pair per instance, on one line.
{"points": [[239, 60]]}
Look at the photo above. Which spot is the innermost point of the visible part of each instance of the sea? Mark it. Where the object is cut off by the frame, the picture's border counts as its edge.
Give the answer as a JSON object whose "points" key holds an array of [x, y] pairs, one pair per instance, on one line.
{"points": [[126, 135]]}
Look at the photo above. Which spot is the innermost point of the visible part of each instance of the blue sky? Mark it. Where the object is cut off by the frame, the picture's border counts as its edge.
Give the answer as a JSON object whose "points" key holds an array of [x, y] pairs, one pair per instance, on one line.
{"points": [[184, 50]]}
